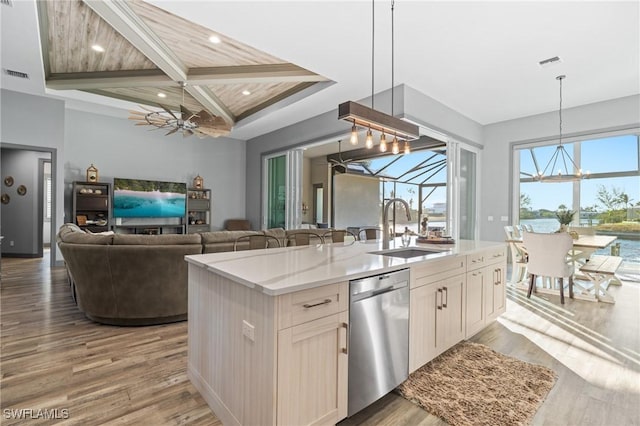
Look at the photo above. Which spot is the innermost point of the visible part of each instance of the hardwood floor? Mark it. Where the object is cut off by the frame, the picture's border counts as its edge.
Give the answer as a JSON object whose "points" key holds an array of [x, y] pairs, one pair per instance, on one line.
{"points": [[52, 357]]}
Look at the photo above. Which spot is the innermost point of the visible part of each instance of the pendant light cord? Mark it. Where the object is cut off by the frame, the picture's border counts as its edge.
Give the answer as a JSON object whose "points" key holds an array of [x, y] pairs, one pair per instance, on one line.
{"points": [[373, 45], [392, 55], [560, 109]]}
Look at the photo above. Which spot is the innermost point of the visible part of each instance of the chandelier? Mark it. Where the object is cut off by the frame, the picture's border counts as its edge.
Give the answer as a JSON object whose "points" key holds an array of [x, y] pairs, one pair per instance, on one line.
{"points": [[370, 118], [567, 170], [201, 124]]}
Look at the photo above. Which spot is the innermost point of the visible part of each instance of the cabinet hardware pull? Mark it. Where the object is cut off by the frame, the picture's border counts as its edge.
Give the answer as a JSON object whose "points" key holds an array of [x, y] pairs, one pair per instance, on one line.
{"points": [[446, 293], [440, 305], [345, 350], [326, 302], [475, 274]]}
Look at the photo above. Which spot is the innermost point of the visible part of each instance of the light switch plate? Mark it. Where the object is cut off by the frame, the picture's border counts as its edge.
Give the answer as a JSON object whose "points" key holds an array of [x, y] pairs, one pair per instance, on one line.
{"points": [[249, 330], [490, 218], [504, 218]]}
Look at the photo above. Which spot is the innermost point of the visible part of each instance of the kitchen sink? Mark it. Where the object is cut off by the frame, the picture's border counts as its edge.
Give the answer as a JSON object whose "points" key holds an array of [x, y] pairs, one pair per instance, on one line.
{"points": [[407, 253]]}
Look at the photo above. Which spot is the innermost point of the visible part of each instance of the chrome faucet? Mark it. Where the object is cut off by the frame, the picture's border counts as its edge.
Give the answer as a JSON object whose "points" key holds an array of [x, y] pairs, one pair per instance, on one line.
{"points": [[385, 220]]}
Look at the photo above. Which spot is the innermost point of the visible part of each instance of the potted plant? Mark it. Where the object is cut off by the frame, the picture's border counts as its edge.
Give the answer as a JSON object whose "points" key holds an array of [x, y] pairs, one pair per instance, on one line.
{"points": [[565, 217]]}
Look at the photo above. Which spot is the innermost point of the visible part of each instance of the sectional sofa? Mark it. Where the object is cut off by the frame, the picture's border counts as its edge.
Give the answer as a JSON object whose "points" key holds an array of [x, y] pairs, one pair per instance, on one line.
{"points": [[123, 279]]}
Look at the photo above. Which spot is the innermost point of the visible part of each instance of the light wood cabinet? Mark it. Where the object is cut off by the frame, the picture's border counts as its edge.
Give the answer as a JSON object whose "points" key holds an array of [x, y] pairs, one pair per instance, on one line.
{"points": [[485, 291], [437, 319], [312, 356], [312, 372], [437, 310]]}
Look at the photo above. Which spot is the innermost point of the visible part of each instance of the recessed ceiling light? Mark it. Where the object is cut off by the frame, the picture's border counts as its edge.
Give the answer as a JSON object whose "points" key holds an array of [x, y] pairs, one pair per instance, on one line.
{"points": [[97, 48], [246, 92], [162, 95], [214, 39]]}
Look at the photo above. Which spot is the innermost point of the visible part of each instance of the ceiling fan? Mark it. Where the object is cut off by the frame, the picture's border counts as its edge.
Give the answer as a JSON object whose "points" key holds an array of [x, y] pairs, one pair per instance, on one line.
{"points": [[340, 162], [201, 124]]}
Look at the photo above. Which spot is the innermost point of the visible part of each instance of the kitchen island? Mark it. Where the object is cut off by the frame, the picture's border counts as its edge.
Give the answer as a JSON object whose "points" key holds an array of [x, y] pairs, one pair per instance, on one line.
{"points": [[268, 329]]}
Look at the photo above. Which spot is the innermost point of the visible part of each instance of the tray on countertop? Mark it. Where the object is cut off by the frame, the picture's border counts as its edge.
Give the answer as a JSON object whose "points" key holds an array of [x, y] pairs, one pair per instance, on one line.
{"points": [[437, 240]]}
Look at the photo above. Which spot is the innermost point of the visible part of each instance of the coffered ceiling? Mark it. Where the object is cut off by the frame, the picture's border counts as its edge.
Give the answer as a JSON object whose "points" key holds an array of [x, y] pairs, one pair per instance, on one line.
{"points": [[301, 58], [145, 51]]}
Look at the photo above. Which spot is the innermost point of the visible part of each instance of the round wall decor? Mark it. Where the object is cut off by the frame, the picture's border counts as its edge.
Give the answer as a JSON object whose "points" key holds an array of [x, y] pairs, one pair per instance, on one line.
{"points": [[5, 198], [8, 180], [22, 190]]}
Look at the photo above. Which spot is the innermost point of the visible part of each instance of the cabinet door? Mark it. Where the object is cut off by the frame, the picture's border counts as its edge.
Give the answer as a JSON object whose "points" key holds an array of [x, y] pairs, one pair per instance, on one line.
{"points": [[495, 293], [425, 325], [475, 301], [453, 308], [312, 372]]}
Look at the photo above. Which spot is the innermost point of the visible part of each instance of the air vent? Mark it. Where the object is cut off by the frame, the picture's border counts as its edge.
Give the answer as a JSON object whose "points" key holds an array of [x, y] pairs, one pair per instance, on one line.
{"points": [[7, 3], [550, 61], [18, 74]]}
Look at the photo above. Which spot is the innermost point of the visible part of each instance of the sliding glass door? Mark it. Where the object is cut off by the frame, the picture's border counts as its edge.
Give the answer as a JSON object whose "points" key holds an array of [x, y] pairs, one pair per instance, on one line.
{"points": [[282, 178]]}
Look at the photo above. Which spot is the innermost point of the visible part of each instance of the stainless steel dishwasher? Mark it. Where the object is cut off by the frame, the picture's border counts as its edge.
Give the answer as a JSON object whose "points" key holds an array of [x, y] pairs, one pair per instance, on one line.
{"points": [[378, 337]]}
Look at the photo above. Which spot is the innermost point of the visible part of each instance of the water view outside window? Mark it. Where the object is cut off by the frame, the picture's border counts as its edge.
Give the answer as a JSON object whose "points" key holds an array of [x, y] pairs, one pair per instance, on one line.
{"points": [[609, 200]]}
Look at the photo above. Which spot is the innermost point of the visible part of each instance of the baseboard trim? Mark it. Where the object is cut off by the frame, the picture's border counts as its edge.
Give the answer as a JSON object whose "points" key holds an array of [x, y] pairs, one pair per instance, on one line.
{"points": [[220, 410]]}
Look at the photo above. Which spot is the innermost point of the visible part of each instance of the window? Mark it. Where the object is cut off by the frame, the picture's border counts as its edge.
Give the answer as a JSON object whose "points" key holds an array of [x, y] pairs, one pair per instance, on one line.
{"points": [[608, 200]]}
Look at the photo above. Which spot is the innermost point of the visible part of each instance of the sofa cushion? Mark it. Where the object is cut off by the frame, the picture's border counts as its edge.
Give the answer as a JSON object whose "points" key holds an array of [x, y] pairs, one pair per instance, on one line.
{"points": [[154, 240], [237, 225], [84, 238]]}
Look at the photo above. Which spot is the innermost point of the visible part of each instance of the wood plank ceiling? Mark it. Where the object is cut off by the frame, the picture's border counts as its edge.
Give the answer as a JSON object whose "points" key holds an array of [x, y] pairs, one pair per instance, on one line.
{"points": [[149, 51]]}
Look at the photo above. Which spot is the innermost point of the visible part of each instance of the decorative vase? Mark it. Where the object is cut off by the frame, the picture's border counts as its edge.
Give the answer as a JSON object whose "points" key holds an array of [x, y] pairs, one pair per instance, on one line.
{"points": [[563, 228]]}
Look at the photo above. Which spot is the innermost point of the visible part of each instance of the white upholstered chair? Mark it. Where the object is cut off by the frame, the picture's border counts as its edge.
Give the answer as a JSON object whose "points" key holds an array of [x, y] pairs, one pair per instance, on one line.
{"points": [[547, 255]]}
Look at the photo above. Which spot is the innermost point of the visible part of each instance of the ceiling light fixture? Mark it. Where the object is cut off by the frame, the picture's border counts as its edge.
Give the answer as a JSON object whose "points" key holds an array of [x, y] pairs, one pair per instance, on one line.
{"points": [[215, 39], [162, 95], [97, 48], [370, 118], [246, 92], [202, 124], [560, 158]]}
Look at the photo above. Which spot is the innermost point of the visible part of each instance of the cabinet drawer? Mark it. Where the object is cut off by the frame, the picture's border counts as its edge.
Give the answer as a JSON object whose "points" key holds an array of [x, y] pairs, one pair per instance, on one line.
{"points": [[438, 270], [308, 305], [88, 202], [486, 257], [198, 204]]}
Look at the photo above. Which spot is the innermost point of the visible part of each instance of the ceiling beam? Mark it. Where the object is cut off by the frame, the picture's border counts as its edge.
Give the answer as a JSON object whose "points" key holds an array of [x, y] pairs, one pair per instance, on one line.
{"points": [[265, 73], [109, 80], [122, 18]]}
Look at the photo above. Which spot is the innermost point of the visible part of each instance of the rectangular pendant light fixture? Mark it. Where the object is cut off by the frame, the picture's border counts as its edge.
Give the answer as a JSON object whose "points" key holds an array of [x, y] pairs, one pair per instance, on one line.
{"points": [[363, 116]]}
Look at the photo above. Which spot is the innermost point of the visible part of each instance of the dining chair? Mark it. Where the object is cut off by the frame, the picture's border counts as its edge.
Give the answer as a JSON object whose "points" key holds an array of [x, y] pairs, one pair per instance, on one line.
{"points": [[547, 257], [518, 256], [338, 236], [303, 238], [255, 242], [371, 233]]}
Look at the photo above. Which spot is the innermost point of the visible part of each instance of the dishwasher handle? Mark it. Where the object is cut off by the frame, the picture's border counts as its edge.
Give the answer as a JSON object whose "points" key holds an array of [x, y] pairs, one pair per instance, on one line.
{"points": [[372, 293]]}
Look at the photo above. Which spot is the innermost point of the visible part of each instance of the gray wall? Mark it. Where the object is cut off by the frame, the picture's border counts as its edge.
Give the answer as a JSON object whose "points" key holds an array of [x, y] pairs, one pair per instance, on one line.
{"points": [[120, 149], [20, 224], [34, 122], [622, 113]]}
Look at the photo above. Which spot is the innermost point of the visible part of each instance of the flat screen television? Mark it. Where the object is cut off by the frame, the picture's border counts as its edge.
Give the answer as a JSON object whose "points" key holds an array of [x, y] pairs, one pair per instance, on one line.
{"points": [[137, 198]]}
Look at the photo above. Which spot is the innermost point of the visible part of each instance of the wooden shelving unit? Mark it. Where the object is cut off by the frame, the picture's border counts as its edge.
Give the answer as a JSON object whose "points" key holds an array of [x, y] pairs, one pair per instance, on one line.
{"points": [[198, 210], [91, 207]]}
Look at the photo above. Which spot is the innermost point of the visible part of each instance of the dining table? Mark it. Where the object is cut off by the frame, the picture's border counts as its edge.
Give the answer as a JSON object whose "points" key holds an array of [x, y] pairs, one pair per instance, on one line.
{"points": [[583, 248]]}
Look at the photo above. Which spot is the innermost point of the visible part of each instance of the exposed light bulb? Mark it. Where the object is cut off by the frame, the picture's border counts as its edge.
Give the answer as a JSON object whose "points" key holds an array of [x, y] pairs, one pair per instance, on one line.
{"points": [[383, 142], [407, 148], [354, 135], [369, 141], [395, 146]]}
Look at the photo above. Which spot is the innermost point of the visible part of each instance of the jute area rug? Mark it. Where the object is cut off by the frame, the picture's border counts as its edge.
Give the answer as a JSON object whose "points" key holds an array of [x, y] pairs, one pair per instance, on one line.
{"points": [[471, 384]]}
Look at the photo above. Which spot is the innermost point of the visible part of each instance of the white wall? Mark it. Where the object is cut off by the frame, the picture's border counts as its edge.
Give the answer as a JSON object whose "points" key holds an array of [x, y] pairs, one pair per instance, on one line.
{"points": [[120, 149], [622, 113], [357, 201]]}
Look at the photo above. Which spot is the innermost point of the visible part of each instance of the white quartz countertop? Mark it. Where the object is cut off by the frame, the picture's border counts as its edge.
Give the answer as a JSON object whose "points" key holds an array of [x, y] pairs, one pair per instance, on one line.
{"points": [[284, 270]]}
